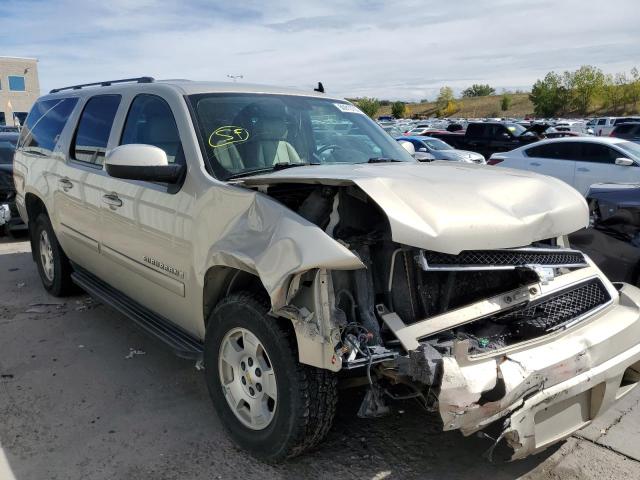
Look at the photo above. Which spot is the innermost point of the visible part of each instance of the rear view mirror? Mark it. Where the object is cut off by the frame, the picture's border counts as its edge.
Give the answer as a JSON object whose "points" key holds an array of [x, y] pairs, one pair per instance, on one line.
{"points": [[408, 146], [142, 162], [624, 162]]}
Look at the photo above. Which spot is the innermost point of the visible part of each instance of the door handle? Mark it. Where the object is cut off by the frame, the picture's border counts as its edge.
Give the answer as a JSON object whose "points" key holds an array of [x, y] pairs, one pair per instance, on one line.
{"points": [[535, 164], [583, 169], [65, 184], [112, 200]]}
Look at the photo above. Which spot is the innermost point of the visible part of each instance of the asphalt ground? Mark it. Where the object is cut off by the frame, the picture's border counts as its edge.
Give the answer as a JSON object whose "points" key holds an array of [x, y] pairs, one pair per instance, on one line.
{"points": [[85, 394]]}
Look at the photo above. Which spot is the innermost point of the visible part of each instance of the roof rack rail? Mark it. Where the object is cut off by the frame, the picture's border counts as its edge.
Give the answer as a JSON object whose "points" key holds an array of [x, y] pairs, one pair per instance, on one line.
{"points": [[105, 84]]}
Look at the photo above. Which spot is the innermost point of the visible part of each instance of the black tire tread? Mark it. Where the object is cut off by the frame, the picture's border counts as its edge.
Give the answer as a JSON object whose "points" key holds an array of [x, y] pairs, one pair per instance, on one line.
{"points": [[318, 387], [62, 285]]}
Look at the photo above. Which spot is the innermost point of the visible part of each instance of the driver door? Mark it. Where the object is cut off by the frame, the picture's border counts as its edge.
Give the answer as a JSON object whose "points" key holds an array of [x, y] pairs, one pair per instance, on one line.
{"points": [[141, 239]]}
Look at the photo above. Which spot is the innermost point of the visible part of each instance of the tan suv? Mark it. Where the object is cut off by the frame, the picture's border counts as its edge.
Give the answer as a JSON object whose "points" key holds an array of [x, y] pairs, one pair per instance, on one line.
{"points": [[287, 240]]}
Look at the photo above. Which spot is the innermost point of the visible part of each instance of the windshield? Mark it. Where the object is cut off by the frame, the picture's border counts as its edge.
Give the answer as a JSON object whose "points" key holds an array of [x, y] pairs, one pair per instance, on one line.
{"points": [[7, 148], [245, 133], [436, 144], [633, 149]]}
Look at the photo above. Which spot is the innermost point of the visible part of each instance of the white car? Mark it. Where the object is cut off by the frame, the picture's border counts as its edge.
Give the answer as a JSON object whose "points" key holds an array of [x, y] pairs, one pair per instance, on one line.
{"points": [[579, 161], [603, 126]]}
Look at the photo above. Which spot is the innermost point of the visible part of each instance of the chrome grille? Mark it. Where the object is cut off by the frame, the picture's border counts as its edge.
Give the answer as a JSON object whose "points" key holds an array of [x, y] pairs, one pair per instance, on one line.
{"points": [[487, 259]]}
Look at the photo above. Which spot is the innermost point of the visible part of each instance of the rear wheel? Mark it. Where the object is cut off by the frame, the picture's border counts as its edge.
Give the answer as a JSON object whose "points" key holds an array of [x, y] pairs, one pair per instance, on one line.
{"points": [[270, 405], [53, 264]]}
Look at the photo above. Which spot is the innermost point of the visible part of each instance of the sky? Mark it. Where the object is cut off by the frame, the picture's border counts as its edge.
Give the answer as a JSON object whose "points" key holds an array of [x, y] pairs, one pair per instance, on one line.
{"points": [[403, 49]]}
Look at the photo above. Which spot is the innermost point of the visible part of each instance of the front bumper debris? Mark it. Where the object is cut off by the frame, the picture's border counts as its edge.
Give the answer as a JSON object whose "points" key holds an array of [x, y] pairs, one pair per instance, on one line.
{"points": [[545, 390]]}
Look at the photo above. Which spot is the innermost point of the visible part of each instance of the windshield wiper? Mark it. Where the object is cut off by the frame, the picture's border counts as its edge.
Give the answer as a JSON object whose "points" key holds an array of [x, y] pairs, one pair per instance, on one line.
{"points": [[274, 168], [382, 160]]}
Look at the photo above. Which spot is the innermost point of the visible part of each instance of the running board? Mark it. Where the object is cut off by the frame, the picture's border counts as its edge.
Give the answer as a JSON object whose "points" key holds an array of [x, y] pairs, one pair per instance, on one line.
{"points": [[180, 341]]}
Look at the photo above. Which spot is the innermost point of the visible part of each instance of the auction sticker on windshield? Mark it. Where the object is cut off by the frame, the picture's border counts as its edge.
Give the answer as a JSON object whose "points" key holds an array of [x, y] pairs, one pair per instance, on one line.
{"points": [[348, 108], [227, 135]]}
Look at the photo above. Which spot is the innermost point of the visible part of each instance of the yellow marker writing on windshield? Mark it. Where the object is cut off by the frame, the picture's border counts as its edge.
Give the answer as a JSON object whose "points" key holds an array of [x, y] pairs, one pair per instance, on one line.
{"points": [[227, 135]]}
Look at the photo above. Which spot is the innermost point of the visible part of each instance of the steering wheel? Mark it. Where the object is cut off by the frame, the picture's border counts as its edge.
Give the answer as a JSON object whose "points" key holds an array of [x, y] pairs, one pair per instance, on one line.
{"points": [[327, 147]]}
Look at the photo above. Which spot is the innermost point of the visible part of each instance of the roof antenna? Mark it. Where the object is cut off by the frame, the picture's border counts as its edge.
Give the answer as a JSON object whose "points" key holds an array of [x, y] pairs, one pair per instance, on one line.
{"points": [[319, 88]]}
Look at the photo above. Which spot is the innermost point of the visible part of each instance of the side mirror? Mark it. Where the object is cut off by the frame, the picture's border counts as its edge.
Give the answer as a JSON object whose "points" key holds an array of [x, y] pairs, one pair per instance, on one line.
{"points": [[408, 146], [624, 162], [142, 162], [505, 135]]}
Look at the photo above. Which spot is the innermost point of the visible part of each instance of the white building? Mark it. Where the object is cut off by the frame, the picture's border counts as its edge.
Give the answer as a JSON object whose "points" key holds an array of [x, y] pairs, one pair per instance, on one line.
{"points": [[19, 88]]}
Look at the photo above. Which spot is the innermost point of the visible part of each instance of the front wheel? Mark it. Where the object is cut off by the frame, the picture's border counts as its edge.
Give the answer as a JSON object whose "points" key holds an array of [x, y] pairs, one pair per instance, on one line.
{"points": [[270, 405]]}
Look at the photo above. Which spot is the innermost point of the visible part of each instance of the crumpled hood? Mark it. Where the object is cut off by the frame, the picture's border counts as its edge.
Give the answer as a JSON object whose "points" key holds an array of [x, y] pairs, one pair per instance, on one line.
{"points": [[449, 207]]}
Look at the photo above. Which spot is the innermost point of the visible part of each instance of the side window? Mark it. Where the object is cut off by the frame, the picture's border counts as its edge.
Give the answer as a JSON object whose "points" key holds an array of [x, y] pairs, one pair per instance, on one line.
{"points": [[417, 144], [44, 124], [151, 122], [475, 130], [602, 121], [557, 151], [596, 153], [92, 134]]}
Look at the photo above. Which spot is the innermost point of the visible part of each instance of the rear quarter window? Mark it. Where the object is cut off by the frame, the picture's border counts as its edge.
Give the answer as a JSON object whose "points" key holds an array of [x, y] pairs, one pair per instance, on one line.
{"points": [[44, 124], [557, 150], [475, 130]]}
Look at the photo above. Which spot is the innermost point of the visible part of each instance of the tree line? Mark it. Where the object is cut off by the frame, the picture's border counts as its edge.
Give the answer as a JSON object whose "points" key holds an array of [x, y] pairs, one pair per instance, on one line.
{"points": [[557, 94], [578, 91]]}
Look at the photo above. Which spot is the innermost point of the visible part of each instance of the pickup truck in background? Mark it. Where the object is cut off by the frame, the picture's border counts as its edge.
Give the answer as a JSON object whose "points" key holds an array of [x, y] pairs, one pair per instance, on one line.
{"points": [[487, 138]]}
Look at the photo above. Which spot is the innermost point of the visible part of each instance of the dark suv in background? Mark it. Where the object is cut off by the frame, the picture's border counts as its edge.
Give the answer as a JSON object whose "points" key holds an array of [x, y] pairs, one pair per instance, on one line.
{"points": [[629, 131], [9, 216]]}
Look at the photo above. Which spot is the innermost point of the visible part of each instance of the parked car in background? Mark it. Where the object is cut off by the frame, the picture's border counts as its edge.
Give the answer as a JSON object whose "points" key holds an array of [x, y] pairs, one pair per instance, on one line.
{"points": [[603, 126], [441, 150], [629, 131], [392, 130], [487, 138], [579, 161], [572, 126], [9, 218], [613, 238], [611, 123]]}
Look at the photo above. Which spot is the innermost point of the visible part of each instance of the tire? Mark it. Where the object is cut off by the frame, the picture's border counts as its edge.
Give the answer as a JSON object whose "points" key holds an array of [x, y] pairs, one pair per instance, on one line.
{"points": [[306, 397], [53, 265]]}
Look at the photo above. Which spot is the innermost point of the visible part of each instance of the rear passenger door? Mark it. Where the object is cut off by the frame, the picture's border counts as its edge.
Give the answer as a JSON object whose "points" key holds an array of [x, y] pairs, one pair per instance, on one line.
{"points": [[597, 164], [556, 159], [145, 258], [77, 198], [77, 193]]}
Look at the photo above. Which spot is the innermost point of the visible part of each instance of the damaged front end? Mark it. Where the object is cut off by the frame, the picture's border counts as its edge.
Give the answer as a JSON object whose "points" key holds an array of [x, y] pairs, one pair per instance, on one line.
{"points": [[531, 338]]}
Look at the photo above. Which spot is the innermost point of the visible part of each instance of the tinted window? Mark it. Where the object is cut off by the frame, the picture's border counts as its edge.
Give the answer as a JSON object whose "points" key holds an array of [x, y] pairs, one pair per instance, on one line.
{"points": [[475, 130], [92, 134], [44, 124], [151, 122], [602, 121], [596, 153], [557, 150], [16, 83], [624, 128]]}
